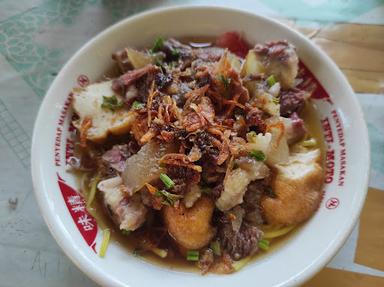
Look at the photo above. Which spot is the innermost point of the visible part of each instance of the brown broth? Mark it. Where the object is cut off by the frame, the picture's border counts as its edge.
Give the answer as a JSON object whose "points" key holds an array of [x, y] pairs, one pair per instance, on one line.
{"points": [[176, 260]]}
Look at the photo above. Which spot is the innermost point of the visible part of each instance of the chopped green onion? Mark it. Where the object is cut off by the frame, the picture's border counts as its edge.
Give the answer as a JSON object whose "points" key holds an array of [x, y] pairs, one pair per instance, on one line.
{"points": [[271, 80], [269, 192], [136, 252], [309, 143], [111, 103], [168, 198], [205, 189], [92, 193], [263, 244], [276, 100], [158, 45], [251, 137], [215, 246], [175, 52], [225, 80], [125, 232], [171, 65], [193, 255], [237, 265], [258, 155], [160, 64], [137, 105], [162, 253], [104, 243], [168, 182]]}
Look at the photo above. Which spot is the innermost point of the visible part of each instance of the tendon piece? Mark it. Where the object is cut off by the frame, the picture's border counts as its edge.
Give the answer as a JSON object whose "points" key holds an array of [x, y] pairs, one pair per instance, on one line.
{"points": [[127, 211], [298, 189], [237, 180], [144, 166], [278, 151], [191, 228], [88, 105]]}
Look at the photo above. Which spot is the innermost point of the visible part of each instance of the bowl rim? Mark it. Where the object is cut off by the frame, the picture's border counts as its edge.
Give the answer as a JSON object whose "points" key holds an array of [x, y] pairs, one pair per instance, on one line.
{"points": [[102, 277]]}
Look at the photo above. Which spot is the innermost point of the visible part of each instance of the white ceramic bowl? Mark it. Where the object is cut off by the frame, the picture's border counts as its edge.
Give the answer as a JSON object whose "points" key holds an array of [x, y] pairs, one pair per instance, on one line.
{"points": [[301, 257]]}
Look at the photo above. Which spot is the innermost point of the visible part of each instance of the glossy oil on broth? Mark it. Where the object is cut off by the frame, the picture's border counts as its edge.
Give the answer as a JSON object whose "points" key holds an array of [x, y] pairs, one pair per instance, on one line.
{"points": [[175, 260]]}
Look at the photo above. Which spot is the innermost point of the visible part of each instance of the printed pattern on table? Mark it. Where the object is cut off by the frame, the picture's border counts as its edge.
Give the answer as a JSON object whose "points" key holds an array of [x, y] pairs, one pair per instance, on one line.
{"points": [[37, 62], [14, 135]]}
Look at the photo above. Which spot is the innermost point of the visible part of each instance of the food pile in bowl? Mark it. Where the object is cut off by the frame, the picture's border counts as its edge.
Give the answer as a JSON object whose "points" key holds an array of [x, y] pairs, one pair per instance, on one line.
{"points": [[204, 152]]}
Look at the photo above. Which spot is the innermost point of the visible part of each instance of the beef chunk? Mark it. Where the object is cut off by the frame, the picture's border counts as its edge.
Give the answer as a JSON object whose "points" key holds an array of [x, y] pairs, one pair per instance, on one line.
{"points": [[251, 203], [120, 84], [291, 101], [118, 154], [279, 58], [175, 50], [242, 243]]}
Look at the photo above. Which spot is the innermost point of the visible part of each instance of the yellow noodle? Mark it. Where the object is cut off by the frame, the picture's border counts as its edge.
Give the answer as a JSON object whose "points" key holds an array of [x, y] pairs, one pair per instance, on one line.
{"points": [[271, 232], [92, 192]]}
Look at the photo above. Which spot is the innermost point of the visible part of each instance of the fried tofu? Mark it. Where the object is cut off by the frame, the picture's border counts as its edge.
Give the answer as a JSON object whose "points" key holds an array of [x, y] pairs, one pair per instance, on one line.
{"points": [[298, 189], [87, 103]]}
